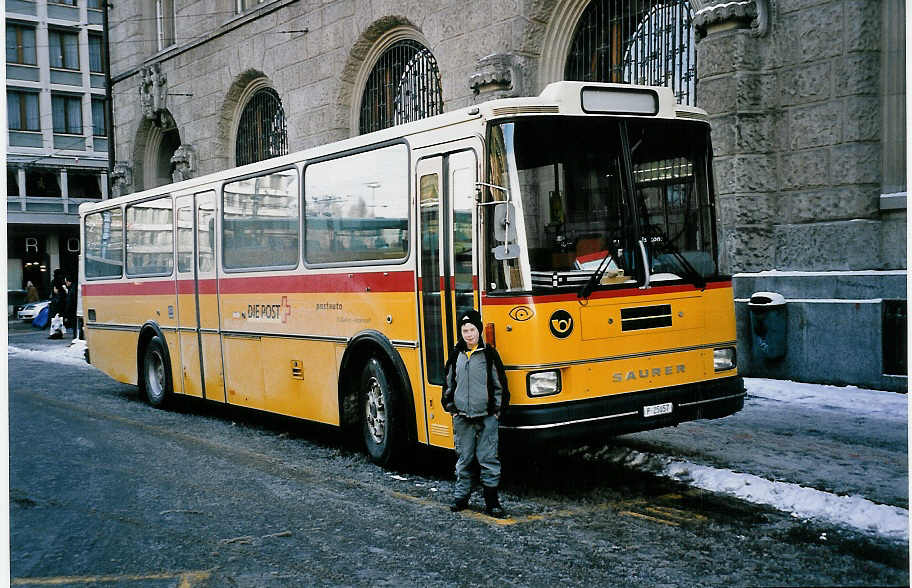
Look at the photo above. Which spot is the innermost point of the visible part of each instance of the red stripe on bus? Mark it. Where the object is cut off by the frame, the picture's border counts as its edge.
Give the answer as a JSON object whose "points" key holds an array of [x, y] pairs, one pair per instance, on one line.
{"points": [[403, 281], [130, 288], [626, 292]]}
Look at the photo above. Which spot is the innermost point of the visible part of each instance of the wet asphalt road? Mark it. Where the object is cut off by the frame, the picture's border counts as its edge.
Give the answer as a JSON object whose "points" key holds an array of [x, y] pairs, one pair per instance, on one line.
{"points": [[106, 491]]}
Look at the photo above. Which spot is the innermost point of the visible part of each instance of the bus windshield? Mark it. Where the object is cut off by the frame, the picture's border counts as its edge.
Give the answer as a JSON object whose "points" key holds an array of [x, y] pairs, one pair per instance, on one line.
{"points": [[583, 199]]}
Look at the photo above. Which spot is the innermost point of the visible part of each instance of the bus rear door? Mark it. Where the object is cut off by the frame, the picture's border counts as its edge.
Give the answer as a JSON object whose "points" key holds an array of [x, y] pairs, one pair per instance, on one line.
{"points": [[200, 343]]}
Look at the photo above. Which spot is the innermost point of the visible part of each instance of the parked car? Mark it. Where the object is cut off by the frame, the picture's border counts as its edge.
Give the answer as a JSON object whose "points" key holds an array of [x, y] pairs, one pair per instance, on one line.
{"points": [[15, 300], [31, 310]]}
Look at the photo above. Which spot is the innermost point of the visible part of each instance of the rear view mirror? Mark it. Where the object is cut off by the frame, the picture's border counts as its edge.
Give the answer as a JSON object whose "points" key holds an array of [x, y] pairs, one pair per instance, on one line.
{"points": [[504, 222], [502, 252]]}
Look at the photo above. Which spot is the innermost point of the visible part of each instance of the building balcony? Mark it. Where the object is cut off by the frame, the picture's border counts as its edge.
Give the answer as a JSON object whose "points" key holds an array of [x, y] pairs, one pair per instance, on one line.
{"points": [[44, 210]]}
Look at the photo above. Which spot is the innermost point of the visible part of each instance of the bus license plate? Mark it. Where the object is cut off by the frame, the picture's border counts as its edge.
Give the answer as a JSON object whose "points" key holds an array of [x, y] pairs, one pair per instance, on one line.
{"points": [[656, 409]]}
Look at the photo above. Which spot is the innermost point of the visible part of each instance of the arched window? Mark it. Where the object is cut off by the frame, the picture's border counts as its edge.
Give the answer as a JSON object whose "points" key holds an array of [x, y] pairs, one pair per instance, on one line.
{"points": [[403, 86], [261, 131], [647, 42]]}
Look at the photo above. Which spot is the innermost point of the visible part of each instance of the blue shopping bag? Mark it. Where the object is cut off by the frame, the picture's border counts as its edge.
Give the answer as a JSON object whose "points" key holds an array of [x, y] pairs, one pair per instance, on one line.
{"points": [[41, 319]]}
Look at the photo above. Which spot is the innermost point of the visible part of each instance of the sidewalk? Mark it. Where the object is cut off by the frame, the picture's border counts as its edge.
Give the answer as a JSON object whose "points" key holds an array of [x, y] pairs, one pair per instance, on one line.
{"points": [[24, 336]]}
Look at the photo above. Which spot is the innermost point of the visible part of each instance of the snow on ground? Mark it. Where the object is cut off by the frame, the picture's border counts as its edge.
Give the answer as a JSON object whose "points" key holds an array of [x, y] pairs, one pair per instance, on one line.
{"points": [[806, 503], [801, 502], [861, 402], [73, 354]]}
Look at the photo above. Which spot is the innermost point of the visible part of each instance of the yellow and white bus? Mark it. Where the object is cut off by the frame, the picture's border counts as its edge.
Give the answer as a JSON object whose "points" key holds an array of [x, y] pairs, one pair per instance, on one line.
{"points": [[325, 284]]}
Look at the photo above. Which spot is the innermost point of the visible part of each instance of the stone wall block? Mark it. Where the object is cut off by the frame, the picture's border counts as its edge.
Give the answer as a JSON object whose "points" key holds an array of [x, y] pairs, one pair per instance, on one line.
{"points": [[818, 31], [746, 173], [756, 133], [749, 248], [843, 245], [893, 241], [807, 83], [792, 6], [862, 25], [723, 135], [743, 209], [862, 119], [856, 163], [727, 52], [755, 91], [844, 203], [338, 10], [717, 95], [529, 33], [815, 126], [805, 169], [857, 74]]}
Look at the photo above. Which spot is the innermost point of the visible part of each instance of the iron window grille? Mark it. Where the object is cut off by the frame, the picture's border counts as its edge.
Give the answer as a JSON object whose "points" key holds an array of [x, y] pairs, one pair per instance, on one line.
{"points": [[649, 42], [404, 86], [262, 133]]}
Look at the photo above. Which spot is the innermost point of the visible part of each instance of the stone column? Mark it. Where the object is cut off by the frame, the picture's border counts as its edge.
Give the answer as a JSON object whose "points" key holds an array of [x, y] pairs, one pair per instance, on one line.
{"points": [[20, 178], [733, 89]]}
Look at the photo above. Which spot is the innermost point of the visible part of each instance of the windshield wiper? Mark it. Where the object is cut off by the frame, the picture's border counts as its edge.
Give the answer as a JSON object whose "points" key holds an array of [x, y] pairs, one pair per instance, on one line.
{"points": [[596, 276], [669, 247], [587, 288]]}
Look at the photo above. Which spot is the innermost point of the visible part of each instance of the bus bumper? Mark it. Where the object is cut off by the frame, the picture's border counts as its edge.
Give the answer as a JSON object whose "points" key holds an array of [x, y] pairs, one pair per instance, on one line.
{"points": [[622, 413]]}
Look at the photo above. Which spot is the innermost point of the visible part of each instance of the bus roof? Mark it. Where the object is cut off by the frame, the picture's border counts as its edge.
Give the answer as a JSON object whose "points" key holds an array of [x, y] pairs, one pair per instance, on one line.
{"points": [[561, 98]]}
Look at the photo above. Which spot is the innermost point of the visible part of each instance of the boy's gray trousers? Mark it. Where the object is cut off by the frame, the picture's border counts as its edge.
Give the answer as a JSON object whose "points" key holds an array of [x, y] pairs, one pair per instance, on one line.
{"points": [[476, 438]]}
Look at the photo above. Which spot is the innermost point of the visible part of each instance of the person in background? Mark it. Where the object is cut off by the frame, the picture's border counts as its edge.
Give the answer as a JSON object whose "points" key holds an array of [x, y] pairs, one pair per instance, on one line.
{"points": [[475, 393], [69, 317], [31, 292]]}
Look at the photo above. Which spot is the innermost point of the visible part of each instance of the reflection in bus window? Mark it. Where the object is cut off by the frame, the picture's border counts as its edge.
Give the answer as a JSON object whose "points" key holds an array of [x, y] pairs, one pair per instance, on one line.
{"points": [[260, 221], [462, 168], [356, 207], [150, 245], [104, 244], [184, 239], [205, 226]]}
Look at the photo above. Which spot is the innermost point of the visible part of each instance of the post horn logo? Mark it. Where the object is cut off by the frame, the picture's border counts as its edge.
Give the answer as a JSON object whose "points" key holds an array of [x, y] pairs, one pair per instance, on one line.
{"points": [[521, 313], [561, 324]]}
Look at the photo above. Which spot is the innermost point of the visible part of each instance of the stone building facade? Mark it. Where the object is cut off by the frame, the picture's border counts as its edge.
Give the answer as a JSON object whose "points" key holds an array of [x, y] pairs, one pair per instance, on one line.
{"points": [[805, 96]]}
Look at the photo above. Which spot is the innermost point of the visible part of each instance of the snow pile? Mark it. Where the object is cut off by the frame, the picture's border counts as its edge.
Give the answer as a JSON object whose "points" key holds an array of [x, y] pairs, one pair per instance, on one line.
{"points": [[883, 405], [807, 503], [73, 355]]}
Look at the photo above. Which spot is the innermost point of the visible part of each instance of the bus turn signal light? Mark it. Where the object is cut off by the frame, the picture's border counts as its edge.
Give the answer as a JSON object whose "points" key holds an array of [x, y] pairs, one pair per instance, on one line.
{"points": [[489, 335]]}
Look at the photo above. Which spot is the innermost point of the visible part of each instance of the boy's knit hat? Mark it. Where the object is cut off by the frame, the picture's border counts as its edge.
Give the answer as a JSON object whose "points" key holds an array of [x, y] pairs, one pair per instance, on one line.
{"points": [[472, 317]]}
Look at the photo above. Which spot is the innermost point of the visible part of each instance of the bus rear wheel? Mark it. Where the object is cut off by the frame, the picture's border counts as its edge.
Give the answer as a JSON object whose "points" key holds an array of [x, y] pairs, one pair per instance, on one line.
{"points": [[156, 381], [379, 415]]}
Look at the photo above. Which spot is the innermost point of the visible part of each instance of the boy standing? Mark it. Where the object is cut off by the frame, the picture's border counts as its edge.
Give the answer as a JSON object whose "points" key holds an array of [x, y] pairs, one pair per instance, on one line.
{"points": [[475, 393]]}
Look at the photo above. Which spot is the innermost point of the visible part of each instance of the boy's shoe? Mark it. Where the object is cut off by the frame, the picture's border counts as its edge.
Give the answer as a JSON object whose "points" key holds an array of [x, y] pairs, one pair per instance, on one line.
{"points": [[492, 504], [460, 503]]}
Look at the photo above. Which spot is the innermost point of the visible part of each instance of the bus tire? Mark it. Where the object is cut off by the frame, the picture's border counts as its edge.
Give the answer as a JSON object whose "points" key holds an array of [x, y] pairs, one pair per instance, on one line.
{"points": [[156, 380], [380, 415]]}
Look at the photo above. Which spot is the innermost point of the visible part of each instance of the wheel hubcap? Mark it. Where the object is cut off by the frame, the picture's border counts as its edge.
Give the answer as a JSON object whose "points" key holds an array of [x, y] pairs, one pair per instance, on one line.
{"points": [[155, 375], [375, 411]]}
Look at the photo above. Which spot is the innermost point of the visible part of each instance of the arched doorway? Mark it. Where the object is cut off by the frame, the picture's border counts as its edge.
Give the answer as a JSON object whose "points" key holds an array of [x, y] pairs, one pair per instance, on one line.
{"points": [[162, 140]]}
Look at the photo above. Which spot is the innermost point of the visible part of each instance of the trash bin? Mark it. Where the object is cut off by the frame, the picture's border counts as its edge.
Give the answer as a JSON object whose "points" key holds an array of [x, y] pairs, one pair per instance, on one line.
{"points": [[769, 324]]}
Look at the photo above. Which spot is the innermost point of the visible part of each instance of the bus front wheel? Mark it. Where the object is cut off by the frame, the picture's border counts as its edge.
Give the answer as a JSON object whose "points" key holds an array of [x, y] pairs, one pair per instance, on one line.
{"points": [[379, 414], [156, 381]]}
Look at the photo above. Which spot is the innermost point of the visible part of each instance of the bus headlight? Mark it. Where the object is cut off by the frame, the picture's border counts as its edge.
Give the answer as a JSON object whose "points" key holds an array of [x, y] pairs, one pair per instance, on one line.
{"points": [[725, 359], [544, 383]]}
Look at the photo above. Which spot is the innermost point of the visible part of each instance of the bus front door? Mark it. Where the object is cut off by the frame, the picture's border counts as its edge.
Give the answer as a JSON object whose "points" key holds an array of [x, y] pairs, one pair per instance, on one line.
{"points": [[446, 188]]}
